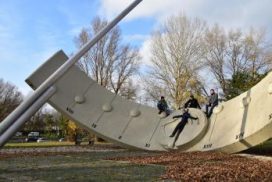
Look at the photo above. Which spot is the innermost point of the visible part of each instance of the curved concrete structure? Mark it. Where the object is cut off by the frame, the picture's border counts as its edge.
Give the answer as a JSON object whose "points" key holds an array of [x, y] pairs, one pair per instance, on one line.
{"points": [[235, 125]]}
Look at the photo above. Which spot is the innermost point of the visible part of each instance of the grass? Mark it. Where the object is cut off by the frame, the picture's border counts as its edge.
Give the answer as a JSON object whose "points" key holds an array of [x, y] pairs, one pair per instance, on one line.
{"points": [[46, 144], [91, 166], [36, 144]]}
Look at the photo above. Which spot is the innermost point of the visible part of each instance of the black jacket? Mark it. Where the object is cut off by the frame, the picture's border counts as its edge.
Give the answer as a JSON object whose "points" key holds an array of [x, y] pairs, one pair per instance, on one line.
{"points": [[192, 103]]}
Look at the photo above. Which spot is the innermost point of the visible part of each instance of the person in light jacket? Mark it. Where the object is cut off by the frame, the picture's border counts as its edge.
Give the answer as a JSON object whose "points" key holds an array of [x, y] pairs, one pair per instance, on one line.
{"points": [[212, 102]]}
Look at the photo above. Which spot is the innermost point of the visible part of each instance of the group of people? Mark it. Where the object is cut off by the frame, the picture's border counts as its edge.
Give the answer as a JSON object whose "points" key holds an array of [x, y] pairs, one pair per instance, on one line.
{"points": [[191, 103]]}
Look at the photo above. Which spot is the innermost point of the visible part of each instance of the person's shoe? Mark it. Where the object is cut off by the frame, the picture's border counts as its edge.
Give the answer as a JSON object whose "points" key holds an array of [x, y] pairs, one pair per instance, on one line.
{"points": [[159, 112], [171, 136]]}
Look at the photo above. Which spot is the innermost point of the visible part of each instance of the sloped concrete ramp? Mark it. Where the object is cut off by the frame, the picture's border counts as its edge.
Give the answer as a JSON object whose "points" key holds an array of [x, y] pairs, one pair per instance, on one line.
{"points": [[238, 124]]}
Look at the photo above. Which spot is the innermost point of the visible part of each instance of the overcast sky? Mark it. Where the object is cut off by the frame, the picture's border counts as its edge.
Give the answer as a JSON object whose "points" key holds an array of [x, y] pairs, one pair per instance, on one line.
{"points": [[33, 30]]}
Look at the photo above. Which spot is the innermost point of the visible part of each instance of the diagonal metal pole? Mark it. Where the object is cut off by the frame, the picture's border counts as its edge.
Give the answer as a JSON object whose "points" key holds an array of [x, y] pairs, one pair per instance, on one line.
{"points": [[8, 121], [26, 115]]}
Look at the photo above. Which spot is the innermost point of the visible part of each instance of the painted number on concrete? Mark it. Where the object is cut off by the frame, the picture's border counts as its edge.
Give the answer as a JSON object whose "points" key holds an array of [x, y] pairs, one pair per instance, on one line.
{"points": [[94, 125], [70, 110], [240, 136], [207, 146], [270, 116]]}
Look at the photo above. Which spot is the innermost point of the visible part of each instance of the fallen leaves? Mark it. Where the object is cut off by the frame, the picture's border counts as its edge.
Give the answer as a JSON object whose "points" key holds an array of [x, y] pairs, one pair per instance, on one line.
{"points": [[212, 166]]}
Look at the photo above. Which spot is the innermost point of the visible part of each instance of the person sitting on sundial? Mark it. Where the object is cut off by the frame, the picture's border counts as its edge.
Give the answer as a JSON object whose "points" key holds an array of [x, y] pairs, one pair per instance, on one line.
{"points": [[162, 105], [212, 103], [192, 103]]}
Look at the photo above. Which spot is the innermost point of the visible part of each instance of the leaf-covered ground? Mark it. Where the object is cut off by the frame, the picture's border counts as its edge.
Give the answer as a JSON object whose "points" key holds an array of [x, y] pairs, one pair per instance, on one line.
{"points": [[208, 166]]}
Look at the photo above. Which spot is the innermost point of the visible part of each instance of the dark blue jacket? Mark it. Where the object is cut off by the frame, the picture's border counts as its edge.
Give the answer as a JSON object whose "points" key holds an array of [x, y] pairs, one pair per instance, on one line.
{"points": [[185, 116]]}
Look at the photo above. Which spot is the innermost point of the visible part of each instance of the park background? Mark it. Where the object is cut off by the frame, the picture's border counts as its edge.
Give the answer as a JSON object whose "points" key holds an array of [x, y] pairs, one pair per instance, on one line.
{"points": [[208, 44]]}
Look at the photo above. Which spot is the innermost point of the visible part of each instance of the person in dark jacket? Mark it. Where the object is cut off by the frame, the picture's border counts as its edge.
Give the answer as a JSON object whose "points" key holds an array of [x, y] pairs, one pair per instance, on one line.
{"points": [[213, 101], [162, 105], [192, 103], [180, 126]]}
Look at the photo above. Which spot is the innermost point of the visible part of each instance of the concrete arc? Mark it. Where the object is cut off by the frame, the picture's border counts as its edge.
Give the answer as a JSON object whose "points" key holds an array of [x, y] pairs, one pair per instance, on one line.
{"points": [[235, 125]]}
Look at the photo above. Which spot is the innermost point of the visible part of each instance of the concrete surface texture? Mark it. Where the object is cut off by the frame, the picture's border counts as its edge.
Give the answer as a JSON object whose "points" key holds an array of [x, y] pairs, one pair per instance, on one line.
{"points": [[235, 125]]}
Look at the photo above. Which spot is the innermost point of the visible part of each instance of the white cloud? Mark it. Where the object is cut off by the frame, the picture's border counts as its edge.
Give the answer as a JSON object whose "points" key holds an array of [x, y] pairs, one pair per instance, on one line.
{"points": [[145, 52], [147, 8], [232, 13], [136, 37]]}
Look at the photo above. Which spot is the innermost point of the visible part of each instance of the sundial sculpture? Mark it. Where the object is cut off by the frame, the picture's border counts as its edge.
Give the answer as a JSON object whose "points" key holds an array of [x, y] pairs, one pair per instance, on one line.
{"points": [[235, 125]]}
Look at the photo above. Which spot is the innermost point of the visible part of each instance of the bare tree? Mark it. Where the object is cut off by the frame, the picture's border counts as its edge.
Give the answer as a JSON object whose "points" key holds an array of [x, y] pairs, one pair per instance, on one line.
{"points": [[236, 52], [177, 53], [129, 91], [216, 51], [110, 62], [258, 52], [36, 122], [10, 98]]}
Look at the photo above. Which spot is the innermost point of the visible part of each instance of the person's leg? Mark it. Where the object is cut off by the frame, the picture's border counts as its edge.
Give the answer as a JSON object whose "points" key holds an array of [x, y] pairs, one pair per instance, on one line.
{"points": [[180, 128], [160, 108], [164, 109], [167, 112], [207, 109], [175, 131], [211, 110], [176, 138]]}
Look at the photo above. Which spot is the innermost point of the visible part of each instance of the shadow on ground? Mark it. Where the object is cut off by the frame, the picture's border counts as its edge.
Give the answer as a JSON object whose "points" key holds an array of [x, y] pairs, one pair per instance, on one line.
{"points": [[264, 149]]}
